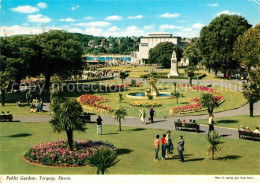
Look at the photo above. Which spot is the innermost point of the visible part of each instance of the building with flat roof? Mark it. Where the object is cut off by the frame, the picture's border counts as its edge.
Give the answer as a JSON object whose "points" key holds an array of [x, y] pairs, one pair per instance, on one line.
{"points": [[146, 43]]}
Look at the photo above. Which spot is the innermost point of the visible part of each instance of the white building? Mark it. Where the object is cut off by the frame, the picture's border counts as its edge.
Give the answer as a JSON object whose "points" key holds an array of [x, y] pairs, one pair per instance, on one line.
{"points": [[146, 43]]}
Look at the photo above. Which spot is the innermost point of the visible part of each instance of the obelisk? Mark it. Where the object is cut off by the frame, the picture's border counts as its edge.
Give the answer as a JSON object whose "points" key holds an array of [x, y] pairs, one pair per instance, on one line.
{"points": [[174, 66]]}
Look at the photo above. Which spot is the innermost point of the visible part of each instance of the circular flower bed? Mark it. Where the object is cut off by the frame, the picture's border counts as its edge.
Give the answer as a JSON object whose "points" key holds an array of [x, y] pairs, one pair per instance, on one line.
{"points": [[145, 104], [57, 154], [200, 88], [92, 102]]}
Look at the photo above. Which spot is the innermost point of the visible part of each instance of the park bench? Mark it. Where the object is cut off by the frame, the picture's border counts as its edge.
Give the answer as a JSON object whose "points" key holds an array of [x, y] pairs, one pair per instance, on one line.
{"points": [[6, 117], [86, 118], [187, 126], [248, 135]]}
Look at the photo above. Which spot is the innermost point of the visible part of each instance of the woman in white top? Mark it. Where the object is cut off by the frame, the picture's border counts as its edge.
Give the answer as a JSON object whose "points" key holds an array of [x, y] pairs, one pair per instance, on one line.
{"points": [[142, 115]]}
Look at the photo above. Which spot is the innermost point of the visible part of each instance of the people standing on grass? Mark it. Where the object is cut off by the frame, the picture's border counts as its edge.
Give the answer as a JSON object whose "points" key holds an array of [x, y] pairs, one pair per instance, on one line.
{"points": [[99, 125], [180, 148], [142, 116], [151, 114], [169, 145], [211, 123], [163, 147], [156, 147]]}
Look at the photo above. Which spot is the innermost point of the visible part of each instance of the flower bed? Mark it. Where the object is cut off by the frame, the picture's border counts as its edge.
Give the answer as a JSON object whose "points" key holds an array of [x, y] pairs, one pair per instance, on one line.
{"points": [[194, 106], [200, 88], [57, 154], [92, 102], [145, 104]]}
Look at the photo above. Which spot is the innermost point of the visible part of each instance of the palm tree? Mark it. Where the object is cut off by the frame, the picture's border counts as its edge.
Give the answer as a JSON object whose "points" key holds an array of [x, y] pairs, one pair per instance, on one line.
{"points": [[103, 159], [214, 139], [119, 115], [208, 101], [67, 119]]}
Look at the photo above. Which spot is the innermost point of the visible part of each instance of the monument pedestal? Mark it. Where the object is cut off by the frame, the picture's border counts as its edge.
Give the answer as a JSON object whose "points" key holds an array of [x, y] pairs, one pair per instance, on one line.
{"points": [[174, 66]]}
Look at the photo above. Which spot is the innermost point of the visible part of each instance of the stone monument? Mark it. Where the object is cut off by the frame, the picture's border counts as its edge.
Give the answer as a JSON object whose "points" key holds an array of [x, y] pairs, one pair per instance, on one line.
{"points": [[174, 65]]}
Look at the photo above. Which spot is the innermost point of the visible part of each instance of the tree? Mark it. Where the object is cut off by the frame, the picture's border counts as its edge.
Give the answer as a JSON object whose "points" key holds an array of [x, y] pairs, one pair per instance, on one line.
{"points": [[60, 54], [162, 53], [103, 159], [189, 70], [247, 48], [214, 139], [67, 119], [217, 40], [208, 101], [120, 114], [123, 76], [246, 51], [20, 52], [192, 53], [251, 90]]}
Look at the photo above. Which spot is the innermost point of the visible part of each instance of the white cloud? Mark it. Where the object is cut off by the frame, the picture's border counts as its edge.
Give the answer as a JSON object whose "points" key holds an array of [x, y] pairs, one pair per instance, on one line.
{"points": [[75, 7], [75, 30], [189, 34], [135, 17], [94, 31], [42, 5], [212, 4], [25, 9], [88, 18], [38, 18], [67, 20], [131, 28], [187, 29], [167, 26], [149, 27], [95, 24], [113, 17], [113, 29], [227, 13], [168, 15], [17, 30], [197, 26]]}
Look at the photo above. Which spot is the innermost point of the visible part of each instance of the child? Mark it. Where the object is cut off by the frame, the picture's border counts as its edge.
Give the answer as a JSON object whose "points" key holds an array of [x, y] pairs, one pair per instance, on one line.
{"points": [[163, 147], [156, 147]]}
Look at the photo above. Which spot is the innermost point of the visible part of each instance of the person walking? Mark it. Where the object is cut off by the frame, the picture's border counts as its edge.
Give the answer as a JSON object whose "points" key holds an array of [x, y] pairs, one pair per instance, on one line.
{"points": [[99, 125], [180, 148], [142, 116], [151, 114], [163, 147], [169, 145], [156, 147], [211, 123]]}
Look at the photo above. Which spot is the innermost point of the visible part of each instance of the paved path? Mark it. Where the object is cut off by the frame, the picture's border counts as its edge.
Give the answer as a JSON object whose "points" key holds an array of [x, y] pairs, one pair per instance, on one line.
{"points": [[161, 123]]}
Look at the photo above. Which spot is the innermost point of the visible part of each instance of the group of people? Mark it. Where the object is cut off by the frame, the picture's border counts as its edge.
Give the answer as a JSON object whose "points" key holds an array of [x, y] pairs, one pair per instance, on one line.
{"points": [[167, 146], [36, 105], [184, 121], [143, 115], [248, 130]]}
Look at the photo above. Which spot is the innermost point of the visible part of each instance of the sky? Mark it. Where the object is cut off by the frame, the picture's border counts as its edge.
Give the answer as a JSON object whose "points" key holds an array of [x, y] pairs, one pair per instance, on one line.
{"points": [[118, 18]]}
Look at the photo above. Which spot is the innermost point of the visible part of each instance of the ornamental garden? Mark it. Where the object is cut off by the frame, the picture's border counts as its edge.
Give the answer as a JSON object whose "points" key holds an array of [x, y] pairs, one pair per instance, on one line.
{"points": [[50, 116]]}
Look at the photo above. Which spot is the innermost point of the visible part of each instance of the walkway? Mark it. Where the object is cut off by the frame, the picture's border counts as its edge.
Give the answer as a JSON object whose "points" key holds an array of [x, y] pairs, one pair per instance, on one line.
{"points": [[161, 123]]}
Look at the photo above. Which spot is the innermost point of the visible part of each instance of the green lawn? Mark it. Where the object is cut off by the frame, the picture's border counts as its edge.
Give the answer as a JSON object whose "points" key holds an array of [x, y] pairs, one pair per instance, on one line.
{"points": [[135, 149], [24, 110], [236, 121], [233, 99]]}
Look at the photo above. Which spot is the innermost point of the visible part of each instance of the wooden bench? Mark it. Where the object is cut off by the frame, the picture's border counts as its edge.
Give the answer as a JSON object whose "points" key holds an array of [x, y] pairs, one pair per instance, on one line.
{"points": [[86, 118], [6, 117], [187, 126], [248, 135]]}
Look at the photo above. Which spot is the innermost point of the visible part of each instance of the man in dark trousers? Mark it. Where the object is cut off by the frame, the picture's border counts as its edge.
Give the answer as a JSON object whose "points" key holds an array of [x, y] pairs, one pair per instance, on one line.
{"points": [[180, 148], [151, 114], [99, 125]]}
